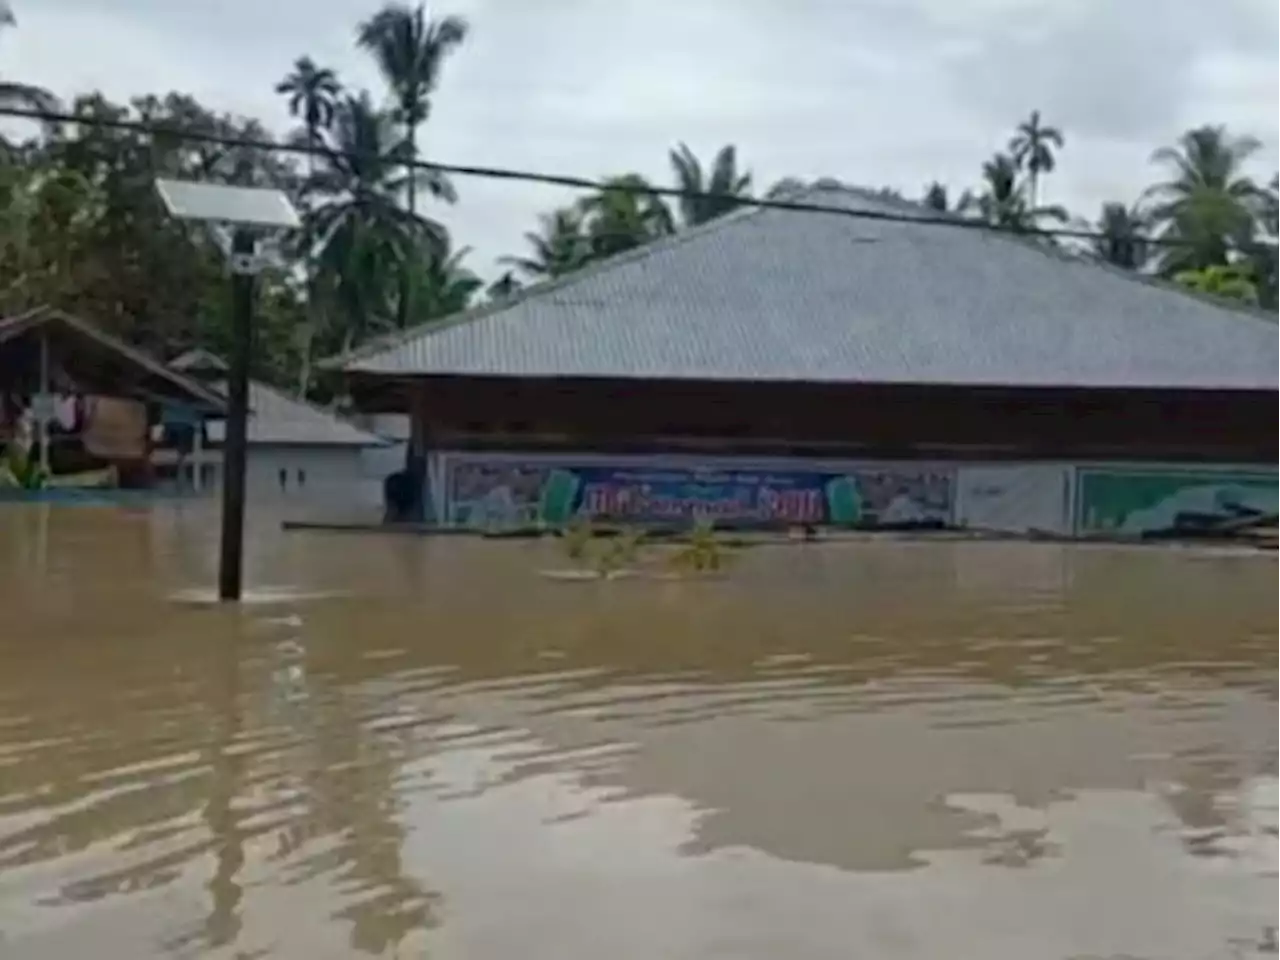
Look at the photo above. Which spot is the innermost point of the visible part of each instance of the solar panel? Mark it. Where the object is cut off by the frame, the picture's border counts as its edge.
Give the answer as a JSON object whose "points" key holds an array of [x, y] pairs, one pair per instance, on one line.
{"points": [[218, 203]]}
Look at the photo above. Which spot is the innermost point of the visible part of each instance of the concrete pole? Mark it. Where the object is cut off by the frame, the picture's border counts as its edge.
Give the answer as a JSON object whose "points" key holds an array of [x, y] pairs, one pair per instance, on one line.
{"points": [[234, 446]]}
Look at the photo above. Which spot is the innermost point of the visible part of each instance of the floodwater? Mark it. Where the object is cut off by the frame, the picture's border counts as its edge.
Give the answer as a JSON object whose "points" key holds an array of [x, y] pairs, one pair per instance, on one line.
{"points": [[411, 748]]}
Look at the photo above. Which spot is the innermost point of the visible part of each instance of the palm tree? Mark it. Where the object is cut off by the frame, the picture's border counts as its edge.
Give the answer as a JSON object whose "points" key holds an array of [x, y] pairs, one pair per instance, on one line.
{"points": [[313, 92], [362, 234], [560, 246], [443, 286], [936, 198], [623, 215], [504, 288], [1032, 147], [708, 196], [410, 49], [1003, 200], [1208, 205], [1121, 239]]}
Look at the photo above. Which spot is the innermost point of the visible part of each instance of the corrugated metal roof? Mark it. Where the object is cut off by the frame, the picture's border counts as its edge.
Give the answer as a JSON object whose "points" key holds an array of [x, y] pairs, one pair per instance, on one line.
{"points": [[166, 382], [280, 420], [198, 359], [766, 294]]}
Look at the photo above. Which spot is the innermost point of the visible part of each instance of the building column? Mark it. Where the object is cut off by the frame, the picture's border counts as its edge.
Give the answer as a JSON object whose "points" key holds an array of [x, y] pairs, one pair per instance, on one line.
{"points": [[416, 459]]}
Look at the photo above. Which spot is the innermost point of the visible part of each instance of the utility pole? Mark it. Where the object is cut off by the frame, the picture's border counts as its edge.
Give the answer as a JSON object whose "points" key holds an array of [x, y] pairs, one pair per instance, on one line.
{"points": [[235, 443]]}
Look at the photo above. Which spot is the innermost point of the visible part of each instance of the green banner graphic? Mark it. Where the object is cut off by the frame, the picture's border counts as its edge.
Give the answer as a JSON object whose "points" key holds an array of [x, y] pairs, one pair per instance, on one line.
{"points": [[1131, 501]]}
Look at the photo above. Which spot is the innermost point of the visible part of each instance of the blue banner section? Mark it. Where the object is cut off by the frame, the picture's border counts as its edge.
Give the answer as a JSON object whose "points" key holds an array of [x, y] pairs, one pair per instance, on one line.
{"points": [[506, 492], [681, 495]]}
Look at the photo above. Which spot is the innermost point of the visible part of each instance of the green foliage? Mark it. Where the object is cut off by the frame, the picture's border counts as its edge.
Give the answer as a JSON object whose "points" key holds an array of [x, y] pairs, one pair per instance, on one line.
{"points": [[1231, 281], [19, 469], [605, 554], [704, 552], [722, 185], [622, 550], [81, 229], [576, 537]]}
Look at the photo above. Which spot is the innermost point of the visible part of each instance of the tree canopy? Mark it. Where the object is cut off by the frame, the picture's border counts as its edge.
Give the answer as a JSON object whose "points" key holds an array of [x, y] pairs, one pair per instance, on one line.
{"points": [[81, 229]]}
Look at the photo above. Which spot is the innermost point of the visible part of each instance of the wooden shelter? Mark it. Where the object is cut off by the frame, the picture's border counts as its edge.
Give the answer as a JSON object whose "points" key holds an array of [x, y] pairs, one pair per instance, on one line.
{"points": [[50, 359]]}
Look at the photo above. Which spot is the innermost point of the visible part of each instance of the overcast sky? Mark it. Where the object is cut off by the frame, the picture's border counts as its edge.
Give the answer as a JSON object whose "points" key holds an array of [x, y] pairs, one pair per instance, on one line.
{"points": [[873, 92]]}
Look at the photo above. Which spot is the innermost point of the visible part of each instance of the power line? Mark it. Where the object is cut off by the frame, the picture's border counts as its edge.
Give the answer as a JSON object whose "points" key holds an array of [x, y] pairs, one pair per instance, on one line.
{"points": [[581, 183]]}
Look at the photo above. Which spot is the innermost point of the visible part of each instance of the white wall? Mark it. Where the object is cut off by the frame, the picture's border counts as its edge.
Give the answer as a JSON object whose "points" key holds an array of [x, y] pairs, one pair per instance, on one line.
{"points": [[1015, 497], [335, 477]]}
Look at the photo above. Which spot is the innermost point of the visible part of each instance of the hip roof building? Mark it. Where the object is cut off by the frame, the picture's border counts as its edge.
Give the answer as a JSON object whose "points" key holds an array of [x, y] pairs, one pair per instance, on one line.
{"points": [[864, 335]]}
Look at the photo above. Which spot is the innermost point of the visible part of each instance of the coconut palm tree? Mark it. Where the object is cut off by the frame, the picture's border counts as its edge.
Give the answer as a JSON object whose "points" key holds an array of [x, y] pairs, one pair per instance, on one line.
{"points": [[363, 236], [1121, 236], [560, 246], [708, 194], [1208, 205], [936, 198], [504, 288], [443, 285], [409, 49], [1003, 200], [623, 215], [313, 93], [1032, 146]]}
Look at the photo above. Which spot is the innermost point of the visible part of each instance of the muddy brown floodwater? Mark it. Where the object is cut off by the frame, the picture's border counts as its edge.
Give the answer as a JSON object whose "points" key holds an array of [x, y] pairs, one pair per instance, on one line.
{"points": [[416, 748]]}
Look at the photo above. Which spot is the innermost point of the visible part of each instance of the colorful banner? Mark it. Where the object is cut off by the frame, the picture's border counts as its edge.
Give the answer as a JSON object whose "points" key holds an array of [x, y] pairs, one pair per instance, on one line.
{"points": [[1136, 501], [489, 493]]}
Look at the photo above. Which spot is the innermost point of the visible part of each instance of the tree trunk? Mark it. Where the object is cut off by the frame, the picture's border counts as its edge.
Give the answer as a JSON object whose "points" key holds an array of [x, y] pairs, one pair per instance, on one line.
{"points": [[403, 307], [308, 334]]}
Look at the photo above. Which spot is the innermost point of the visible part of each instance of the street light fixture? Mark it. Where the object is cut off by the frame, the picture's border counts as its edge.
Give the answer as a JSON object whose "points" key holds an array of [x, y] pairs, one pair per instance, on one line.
{"points": [[246, 223]]}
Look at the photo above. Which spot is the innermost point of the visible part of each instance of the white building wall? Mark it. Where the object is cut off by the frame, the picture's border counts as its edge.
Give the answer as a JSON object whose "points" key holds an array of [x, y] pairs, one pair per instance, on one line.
{"points": [[337, 478]]}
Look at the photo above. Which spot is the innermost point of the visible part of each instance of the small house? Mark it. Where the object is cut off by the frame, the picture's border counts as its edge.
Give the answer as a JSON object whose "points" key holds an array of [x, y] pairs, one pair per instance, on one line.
{"points": [[295, 449]]}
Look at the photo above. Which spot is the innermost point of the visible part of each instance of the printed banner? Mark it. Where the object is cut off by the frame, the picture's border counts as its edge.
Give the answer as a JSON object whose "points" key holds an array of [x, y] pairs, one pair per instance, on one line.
{"points": [[1142, 501], [488, 493], [1015, 498]]}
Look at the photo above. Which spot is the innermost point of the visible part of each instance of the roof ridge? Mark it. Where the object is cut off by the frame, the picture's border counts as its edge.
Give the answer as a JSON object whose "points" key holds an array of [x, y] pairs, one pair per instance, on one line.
{"points": [[551, 285], [45, 312], [1068, 289], [322, 411], [1151, 280], [1031, 239]]}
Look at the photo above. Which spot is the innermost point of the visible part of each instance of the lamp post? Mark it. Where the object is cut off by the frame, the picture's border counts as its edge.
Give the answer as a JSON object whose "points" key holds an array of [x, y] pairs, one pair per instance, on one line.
{"points": [[243, 221]]}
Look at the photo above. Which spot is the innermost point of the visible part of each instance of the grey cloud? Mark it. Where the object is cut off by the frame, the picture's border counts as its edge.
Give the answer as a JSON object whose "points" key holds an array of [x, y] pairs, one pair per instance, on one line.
{"points": [[1107, 68], [873, 91]]}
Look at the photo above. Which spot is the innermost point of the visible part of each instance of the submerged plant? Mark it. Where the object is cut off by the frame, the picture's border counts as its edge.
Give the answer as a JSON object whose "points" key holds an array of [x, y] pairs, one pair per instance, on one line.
{"points": [[576, 537], [621, 551], [704, 551]]}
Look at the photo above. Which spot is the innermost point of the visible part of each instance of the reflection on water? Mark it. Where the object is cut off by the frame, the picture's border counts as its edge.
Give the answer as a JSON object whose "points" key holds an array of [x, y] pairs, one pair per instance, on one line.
{"points": [[422, 748]]}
